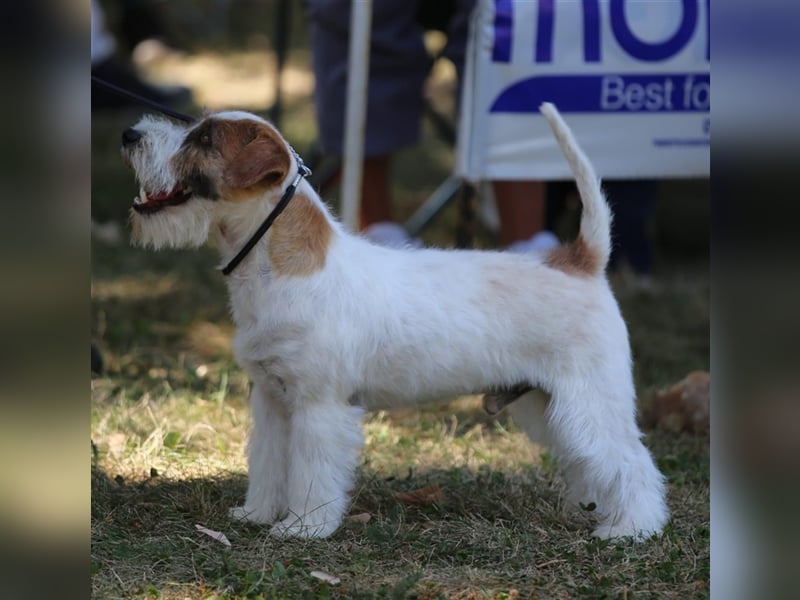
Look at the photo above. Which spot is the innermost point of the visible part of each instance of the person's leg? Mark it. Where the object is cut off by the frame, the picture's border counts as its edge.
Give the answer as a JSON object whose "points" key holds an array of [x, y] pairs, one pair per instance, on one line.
{"points": [[398, 67], [376, 190], [521, 208], [633, 203], [520, 205]]}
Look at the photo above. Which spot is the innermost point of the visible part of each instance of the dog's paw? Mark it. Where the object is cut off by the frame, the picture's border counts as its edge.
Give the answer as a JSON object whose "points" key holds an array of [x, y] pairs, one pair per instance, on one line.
{"points": [[293, 526], [244, 513], [609, 531]]}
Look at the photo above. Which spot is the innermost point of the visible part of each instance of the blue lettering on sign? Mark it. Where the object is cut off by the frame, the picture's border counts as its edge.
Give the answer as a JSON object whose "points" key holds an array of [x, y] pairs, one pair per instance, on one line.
{"points": [[591, 34], [544, 32], [503, 28], [684, 92], [634, 46], [653, 52]]}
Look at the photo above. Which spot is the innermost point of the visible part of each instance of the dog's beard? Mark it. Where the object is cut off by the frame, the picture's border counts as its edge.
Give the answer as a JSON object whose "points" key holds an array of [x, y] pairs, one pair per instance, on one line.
{"points": [[184, 226]]}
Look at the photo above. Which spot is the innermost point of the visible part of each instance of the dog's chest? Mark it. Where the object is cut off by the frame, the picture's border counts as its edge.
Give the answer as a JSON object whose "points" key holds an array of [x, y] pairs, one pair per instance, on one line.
{"points": [[272, 356]]}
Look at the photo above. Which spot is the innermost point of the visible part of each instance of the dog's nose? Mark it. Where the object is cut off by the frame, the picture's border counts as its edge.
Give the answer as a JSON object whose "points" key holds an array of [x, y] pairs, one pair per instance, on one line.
{"points": [[130, 136]]}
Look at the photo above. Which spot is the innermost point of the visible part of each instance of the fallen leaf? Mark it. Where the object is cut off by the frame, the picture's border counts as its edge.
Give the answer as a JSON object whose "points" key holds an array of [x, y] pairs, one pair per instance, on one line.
{"points": [[422, 496], [359, 518], [323, 576], [217, 535], [686, 406]]}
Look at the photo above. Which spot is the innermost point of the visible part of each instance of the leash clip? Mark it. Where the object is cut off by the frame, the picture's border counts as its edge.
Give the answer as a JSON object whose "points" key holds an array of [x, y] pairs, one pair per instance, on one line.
{"points": [[302, 169]]}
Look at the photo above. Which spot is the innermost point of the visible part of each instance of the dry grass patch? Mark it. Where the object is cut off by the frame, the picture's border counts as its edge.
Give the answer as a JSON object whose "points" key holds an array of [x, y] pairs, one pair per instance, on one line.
{"points": [[168, 460]]}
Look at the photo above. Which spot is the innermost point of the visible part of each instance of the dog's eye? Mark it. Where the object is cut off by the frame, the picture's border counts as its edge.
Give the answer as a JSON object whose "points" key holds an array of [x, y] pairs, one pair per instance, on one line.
{"points": [[205, 139]]}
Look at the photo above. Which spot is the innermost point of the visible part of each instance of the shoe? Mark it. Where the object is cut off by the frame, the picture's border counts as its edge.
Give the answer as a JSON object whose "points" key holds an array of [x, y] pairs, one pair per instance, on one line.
{"points": [[540, 243], [390, 235]]}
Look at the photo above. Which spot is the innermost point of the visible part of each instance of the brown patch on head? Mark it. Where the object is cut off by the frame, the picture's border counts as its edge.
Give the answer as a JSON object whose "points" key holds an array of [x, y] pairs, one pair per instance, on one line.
{"points": [[253, 153], [299, 240], [576, 258], [232, 159]]}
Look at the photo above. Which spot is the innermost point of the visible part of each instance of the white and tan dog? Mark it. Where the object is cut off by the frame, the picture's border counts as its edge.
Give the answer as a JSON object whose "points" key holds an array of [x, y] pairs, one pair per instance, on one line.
{"points": [[330, 325]]}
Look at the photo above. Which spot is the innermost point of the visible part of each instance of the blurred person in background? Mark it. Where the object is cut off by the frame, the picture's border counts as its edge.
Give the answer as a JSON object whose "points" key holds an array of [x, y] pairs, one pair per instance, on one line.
{"points": [[111, 60], [399, 65]]}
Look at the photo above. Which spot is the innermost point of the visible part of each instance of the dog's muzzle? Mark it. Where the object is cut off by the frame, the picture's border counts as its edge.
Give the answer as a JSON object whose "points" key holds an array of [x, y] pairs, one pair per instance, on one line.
{"points": [[148, 203]]}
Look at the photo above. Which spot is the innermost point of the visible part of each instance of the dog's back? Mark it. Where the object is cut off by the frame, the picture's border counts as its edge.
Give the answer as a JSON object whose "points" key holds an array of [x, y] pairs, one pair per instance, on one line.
{"points": [[589, 253]]}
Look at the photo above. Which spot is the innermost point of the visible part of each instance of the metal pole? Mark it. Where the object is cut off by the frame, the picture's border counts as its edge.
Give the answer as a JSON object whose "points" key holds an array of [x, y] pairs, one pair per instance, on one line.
{"points": [[283, 25], [356, 115]]}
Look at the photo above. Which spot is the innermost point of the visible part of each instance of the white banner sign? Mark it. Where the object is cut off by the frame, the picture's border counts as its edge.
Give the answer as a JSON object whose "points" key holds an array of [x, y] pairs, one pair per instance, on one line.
{"points": [[630, 77]]}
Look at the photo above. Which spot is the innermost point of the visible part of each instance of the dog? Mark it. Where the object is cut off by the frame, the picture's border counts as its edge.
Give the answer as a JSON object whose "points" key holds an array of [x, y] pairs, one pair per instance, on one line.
{"points": [[330, 325]]}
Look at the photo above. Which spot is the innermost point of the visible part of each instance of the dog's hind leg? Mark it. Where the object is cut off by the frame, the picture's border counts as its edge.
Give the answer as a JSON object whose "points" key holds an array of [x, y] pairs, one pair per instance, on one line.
{"points": [[605, 462], [267, 455], [325, 442]]}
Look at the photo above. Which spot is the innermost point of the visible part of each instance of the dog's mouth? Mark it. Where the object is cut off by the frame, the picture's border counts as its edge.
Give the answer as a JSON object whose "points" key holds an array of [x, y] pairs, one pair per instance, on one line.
{"points": [[148, 204]]}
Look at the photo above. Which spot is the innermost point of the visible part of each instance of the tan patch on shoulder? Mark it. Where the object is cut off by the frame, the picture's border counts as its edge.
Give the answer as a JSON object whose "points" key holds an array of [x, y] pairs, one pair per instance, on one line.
{"points": [[576, 258], [299, 240]]}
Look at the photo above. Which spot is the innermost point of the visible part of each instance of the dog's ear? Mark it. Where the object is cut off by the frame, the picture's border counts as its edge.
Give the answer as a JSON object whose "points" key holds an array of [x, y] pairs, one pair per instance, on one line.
{"points": [[263, 159]]}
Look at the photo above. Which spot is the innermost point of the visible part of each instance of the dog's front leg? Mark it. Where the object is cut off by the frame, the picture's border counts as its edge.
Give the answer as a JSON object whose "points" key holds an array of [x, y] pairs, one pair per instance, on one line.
{"points": [[267, 459], [324, 449]]}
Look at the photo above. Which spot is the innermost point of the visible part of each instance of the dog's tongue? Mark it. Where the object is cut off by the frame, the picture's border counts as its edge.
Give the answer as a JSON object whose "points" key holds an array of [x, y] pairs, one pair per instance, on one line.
{"points": [[165, 195]]}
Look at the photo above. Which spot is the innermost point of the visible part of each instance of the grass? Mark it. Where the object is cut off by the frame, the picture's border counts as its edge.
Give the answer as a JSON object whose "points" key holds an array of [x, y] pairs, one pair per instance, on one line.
{"points": [[170, 422], [167, 460]]}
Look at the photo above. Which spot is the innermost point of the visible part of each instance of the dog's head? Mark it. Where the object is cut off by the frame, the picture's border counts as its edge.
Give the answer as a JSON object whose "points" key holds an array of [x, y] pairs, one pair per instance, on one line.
{"points": [[191, 176]]}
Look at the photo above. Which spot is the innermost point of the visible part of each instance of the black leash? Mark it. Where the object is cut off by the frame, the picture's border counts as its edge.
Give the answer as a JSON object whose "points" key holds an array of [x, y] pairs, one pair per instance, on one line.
{"points": [[302, 171], [146, 101]]}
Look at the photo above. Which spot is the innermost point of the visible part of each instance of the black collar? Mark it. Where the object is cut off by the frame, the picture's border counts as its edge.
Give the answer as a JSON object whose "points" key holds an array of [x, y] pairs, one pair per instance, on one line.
{"points": [[302, 171]]}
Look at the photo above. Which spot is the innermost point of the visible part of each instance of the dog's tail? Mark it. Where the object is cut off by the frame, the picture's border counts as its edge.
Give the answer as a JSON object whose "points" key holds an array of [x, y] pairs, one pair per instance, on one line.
{"points": [[589, 253]]}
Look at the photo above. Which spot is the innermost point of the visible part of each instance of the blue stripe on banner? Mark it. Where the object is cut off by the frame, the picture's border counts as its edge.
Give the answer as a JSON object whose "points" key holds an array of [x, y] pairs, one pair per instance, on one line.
{"points": [[608, 93], [503, 25]]}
